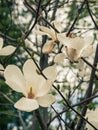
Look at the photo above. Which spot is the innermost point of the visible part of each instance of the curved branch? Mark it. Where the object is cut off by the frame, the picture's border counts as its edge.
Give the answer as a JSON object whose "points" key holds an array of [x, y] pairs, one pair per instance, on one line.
{"points": [[36, 18]]}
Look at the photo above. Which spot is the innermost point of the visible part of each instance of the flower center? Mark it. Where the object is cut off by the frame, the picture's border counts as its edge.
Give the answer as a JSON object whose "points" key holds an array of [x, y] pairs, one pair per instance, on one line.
{"points": [[71, 53], [30, 94], [71, 35]]}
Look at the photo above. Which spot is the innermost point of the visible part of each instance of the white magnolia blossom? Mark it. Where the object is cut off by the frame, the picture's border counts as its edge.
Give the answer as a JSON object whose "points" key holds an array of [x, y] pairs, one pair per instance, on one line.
{"points": [[4, 51], [32, 85], [92, 118], [73, 49], [77, 47], [48, 46]]}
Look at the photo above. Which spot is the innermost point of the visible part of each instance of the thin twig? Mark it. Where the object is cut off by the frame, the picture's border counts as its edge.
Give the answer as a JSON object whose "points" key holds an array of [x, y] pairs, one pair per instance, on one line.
{"points": [[36, 18], [88, 8], [75, 105], [75, 20], [58, 115], [34, 11]]}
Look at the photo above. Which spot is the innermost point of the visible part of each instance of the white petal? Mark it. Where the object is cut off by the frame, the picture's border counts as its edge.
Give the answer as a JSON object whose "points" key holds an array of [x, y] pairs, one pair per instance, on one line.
{"points": [[72, 54], [51, 32], [1, 43], [63, 39], [87, 51], [77, 43], [15, 79], [88, 40], [59, 58], [48, 47], [92, 115], [31, 75], [50, 72], [40, 86], [90, 127], [7, 50], [25, 104], [43, 87], [46, 100], [57, 25]]}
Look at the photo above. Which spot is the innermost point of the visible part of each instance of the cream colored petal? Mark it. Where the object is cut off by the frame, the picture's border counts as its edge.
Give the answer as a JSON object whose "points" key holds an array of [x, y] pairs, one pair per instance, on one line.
{"points": [[90, 127], [48, 47], [63, 39], [29, 69], [39, 85], [46, 100], [92, 115], [7, 50], [87, 51], [59, 58], [88, 40], [1, 43], [15, 79], [72, 54], [57, 25], [50, 72], [31, 75], [51, 32], [77, 43], [25, 104], [43, 87]]}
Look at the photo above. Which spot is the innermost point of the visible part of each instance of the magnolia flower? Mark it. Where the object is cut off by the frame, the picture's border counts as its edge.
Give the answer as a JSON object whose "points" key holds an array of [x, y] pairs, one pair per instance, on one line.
{"points": [[32, 85], [92, 118], [75, 48], [48, 46], [4, 51]]}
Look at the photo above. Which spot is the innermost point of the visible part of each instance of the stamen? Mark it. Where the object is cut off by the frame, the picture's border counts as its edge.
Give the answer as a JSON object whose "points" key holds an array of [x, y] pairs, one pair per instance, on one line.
{"points": [[30, 94]]}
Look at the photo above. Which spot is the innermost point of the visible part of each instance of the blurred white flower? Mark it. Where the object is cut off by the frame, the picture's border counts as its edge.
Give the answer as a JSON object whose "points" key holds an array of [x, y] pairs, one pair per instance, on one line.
{"points": [[4, 51], [73, 49], [93, 118], [77, 47], [15, 128], [32, 85], [48, 46]]}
